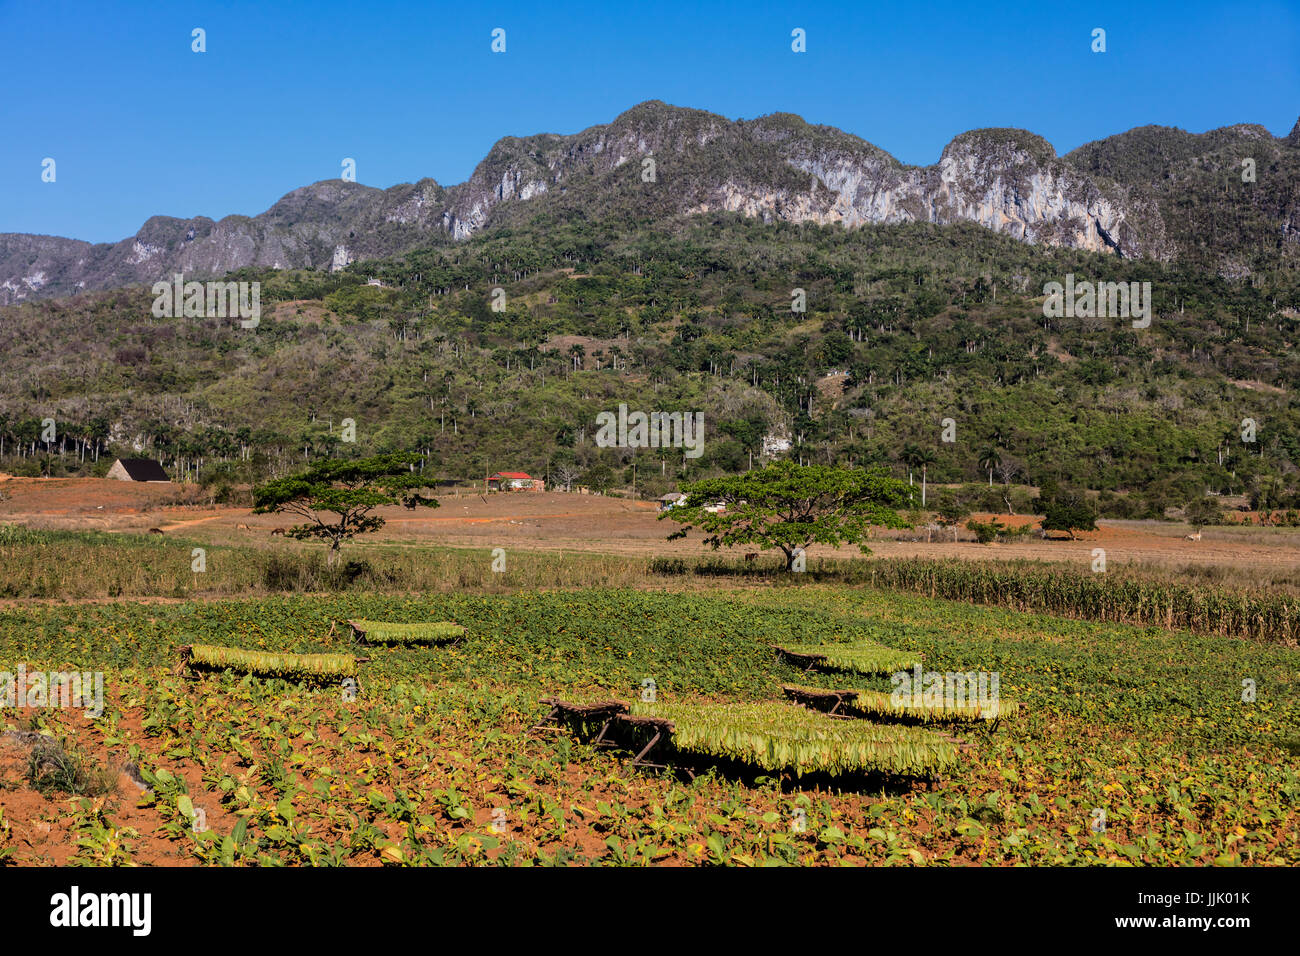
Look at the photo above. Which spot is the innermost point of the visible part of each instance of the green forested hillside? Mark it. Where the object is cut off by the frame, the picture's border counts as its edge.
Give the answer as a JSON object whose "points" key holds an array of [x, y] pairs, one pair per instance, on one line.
{"points": [[919, 323], [1228, 198]]}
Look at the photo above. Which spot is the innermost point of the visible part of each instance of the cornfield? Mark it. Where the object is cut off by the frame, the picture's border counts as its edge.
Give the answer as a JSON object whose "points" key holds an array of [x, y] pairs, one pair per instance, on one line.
{"points": [[1263, 616], [776, 737], [383, 632], [271, 664], [861, 658]]}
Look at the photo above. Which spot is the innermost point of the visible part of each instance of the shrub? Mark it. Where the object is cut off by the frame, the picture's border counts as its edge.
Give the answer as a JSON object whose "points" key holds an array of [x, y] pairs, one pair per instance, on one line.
{"points": [[53, 769], [1202, 511], [672, 566]]}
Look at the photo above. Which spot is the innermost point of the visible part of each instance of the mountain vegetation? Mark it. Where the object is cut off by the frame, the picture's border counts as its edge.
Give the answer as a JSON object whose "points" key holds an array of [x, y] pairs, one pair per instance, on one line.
{"points": [[916, 346]]}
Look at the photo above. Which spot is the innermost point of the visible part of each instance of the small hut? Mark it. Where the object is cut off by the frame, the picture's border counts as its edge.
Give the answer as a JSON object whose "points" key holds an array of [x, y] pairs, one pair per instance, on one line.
{"points": [[137, 469]]}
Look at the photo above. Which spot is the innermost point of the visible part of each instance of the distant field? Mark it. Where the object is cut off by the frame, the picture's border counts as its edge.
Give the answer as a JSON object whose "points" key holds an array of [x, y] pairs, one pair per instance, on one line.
{"points": [[1149, 724], [77, 566], [430, 764], [1248, 557]]}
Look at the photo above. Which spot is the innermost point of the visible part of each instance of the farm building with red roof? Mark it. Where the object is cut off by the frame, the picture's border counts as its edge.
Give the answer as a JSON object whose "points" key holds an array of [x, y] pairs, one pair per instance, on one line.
{"points": [[514, 481]]}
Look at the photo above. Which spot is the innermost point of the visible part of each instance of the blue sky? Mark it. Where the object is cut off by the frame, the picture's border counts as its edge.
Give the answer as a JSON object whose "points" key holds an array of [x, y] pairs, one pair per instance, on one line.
{"points": [[139, 125]]}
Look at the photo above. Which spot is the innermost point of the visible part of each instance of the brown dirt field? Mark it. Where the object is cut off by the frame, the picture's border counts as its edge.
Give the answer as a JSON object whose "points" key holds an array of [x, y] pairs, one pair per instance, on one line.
{"points": [[308, 311], [556, 521], [90, 503], [43, 833]]}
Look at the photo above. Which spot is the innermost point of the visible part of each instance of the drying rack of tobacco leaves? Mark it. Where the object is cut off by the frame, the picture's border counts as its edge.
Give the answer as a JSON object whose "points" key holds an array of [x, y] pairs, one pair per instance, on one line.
{"points": [[569, 713], [860, 658], [610, 715], [387, 632], [829, 702], [865, 658], [769, 736], [322, 668], [878, 705], [821, 730]]}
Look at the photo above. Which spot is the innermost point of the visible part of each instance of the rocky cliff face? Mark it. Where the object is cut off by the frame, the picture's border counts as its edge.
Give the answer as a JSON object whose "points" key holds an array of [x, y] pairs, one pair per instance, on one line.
{"points": [[776, 168], [1005, 180], [322, 226]]}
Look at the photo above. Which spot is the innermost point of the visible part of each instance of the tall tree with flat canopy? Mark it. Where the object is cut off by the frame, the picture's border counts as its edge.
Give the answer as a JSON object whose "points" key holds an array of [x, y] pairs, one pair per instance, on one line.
{"points": [[789, 507], [349, 490], [1067, 511]]}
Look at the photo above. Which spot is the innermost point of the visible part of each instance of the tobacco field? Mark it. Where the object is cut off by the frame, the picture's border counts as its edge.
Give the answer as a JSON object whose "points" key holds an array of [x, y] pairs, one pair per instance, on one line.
{"points": [[431, 761]]}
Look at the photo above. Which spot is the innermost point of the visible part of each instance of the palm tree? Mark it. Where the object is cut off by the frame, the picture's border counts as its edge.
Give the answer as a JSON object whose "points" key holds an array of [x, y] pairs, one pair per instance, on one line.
{"points": [[990, 459], [911, 457], [925, 459], [576, 355]]}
